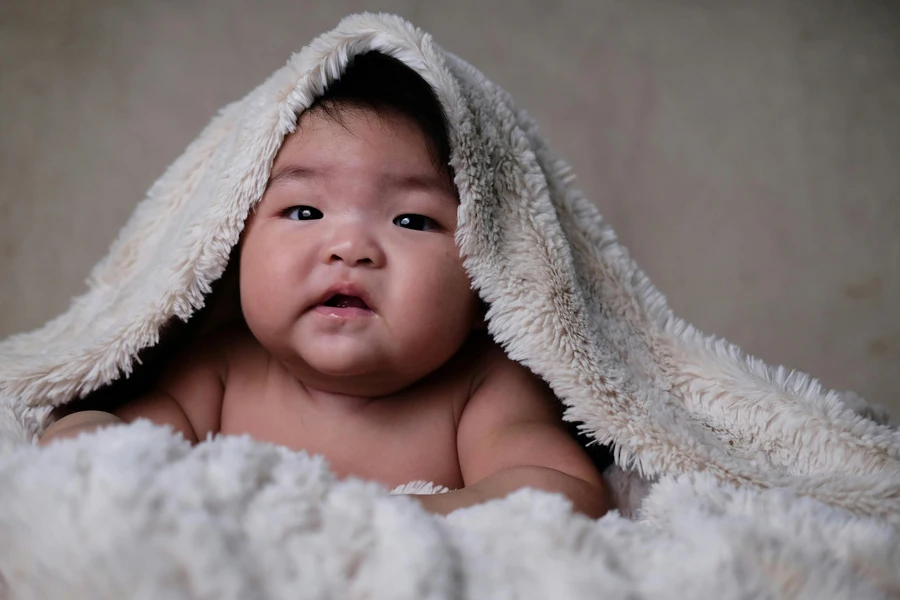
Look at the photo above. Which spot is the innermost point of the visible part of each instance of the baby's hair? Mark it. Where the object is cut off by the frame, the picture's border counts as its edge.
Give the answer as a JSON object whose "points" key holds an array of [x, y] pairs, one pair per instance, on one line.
{"points": [[383, 84]]}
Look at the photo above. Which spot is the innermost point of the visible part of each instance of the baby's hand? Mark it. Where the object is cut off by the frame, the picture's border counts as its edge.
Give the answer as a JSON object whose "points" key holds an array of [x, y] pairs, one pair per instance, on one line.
{"points": [[587, 496], [71, 425]]}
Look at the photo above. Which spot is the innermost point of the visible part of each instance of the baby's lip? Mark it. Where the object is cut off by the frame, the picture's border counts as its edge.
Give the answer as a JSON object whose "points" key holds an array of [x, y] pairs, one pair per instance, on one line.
{"points": [[347, 290]]}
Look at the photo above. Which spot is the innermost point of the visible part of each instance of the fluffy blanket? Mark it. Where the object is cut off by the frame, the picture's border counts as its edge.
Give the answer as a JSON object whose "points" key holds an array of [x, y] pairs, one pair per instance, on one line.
{"points": [[732, 479]]}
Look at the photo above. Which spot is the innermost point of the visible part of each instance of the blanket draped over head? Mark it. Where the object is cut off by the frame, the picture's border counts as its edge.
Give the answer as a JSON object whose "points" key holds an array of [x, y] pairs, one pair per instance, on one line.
{"points": [[732, 478]]}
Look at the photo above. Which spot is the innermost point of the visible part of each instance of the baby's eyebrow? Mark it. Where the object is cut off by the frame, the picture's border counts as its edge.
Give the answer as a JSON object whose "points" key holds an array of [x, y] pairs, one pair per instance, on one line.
{"points": [[425, 182], [297, 172]]}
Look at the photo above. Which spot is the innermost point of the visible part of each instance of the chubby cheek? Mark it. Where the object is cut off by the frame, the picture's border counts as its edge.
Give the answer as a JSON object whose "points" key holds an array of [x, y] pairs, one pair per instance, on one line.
{"points": [[437, 303], [265, 284]]}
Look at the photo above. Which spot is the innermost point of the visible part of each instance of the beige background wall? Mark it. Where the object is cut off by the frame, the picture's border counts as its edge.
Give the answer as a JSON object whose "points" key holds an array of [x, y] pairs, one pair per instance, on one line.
{"points": [[747, 152]]}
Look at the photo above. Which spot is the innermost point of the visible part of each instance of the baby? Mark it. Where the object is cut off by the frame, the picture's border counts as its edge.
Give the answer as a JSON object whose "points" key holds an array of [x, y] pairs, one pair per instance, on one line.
{"points": [[362, 339]]}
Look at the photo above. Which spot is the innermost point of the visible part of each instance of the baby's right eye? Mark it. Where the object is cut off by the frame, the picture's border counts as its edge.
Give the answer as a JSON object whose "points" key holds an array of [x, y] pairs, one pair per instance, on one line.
{"points": [[303, 213]]}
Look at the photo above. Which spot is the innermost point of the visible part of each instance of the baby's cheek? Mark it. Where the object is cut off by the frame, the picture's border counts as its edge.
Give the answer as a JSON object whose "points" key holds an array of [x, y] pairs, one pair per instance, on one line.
{"points": [[259, 298], [451, 293], [254, 307]]}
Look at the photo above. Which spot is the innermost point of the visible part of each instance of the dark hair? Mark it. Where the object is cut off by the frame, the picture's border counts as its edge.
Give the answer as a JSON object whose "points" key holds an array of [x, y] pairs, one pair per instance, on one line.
{"points": [[384, 84]]}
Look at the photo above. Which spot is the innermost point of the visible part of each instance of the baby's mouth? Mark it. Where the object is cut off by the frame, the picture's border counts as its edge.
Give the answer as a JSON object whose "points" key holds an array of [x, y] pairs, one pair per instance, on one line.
{"points": [[343, 301]]}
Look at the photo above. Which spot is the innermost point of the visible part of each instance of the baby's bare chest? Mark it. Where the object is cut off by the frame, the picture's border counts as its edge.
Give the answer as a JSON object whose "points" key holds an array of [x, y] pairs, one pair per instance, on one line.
{"points": [[392, 440]]}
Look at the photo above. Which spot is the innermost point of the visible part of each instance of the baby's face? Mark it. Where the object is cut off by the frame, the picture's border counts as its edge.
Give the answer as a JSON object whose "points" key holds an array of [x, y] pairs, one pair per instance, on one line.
{"points": [[349, 271]]}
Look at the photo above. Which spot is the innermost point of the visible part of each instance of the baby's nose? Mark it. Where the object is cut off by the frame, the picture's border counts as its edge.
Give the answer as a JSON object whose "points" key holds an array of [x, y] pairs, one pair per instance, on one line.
{"points": [[355, 249]]}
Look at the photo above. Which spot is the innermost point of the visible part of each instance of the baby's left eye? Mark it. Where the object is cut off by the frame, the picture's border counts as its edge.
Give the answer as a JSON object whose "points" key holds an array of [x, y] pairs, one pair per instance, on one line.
{"points": [[417, 222]]}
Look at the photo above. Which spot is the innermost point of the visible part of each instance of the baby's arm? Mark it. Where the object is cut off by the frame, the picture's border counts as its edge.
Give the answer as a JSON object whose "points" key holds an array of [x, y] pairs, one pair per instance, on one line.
{"points": [[188, 398], [511, 436], [75, 423]]}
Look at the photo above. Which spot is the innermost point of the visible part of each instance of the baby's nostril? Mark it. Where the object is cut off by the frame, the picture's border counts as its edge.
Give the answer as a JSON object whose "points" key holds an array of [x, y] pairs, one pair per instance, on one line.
{"points": [[351, 261]]}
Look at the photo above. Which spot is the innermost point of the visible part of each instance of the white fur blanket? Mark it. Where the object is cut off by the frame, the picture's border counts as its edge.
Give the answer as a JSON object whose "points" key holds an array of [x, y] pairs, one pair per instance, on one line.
{"points": [[733, 479]]}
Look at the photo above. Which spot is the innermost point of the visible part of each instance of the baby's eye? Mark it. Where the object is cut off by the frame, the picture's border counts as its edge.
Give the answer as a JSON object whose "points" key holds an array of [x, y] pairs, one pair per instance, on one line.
{"points": [[303, 213], [418, 222]]}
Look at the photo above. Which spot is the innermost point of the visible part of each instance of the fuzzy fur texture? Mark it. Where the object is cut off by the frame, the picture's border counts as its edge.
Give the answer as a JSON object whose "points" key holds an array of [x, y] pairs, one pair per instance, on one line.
{"points": [[742, 479]]}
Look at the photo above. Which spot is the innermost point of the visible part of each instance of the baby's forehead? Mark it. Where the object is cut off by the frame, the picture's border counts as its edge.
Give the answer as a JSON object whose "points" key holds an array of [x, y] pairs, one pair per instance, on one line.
{"points": [[389, 150], [391, 179]]}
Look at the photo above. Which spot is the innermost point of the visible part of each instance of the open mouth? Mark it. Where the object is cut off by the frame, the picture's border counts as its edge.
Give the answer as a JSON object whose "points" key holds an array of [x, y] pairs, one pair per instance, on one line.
{"points": [[344, 301]]}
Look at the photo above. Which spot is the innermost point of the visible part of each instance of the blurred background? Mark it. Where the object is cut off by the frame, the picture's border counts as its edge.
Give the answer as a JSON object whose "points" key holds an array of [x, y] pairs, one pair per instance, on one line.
{"points": [[747, 152]]}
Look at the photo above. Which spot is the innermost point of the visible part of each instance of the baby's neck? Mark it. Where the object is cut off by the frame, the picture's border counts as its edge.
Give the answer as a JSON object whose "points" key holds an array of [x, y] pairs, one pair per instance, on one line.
{"points": [[331, 402]]}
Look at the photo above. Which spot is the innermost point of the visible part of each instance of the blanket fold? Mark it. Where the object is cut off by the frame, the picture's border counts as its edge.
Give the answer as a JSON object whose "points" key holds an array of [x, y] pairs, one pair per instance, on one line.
{"points": [[710, 438]]}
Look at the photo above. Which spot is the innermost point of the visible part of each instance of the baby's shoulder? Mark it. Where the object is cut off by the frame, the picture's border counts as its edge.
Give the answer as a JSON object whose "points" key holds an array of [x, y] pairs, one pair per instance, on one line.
{"points": [[490, 363], [494, 379]]}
